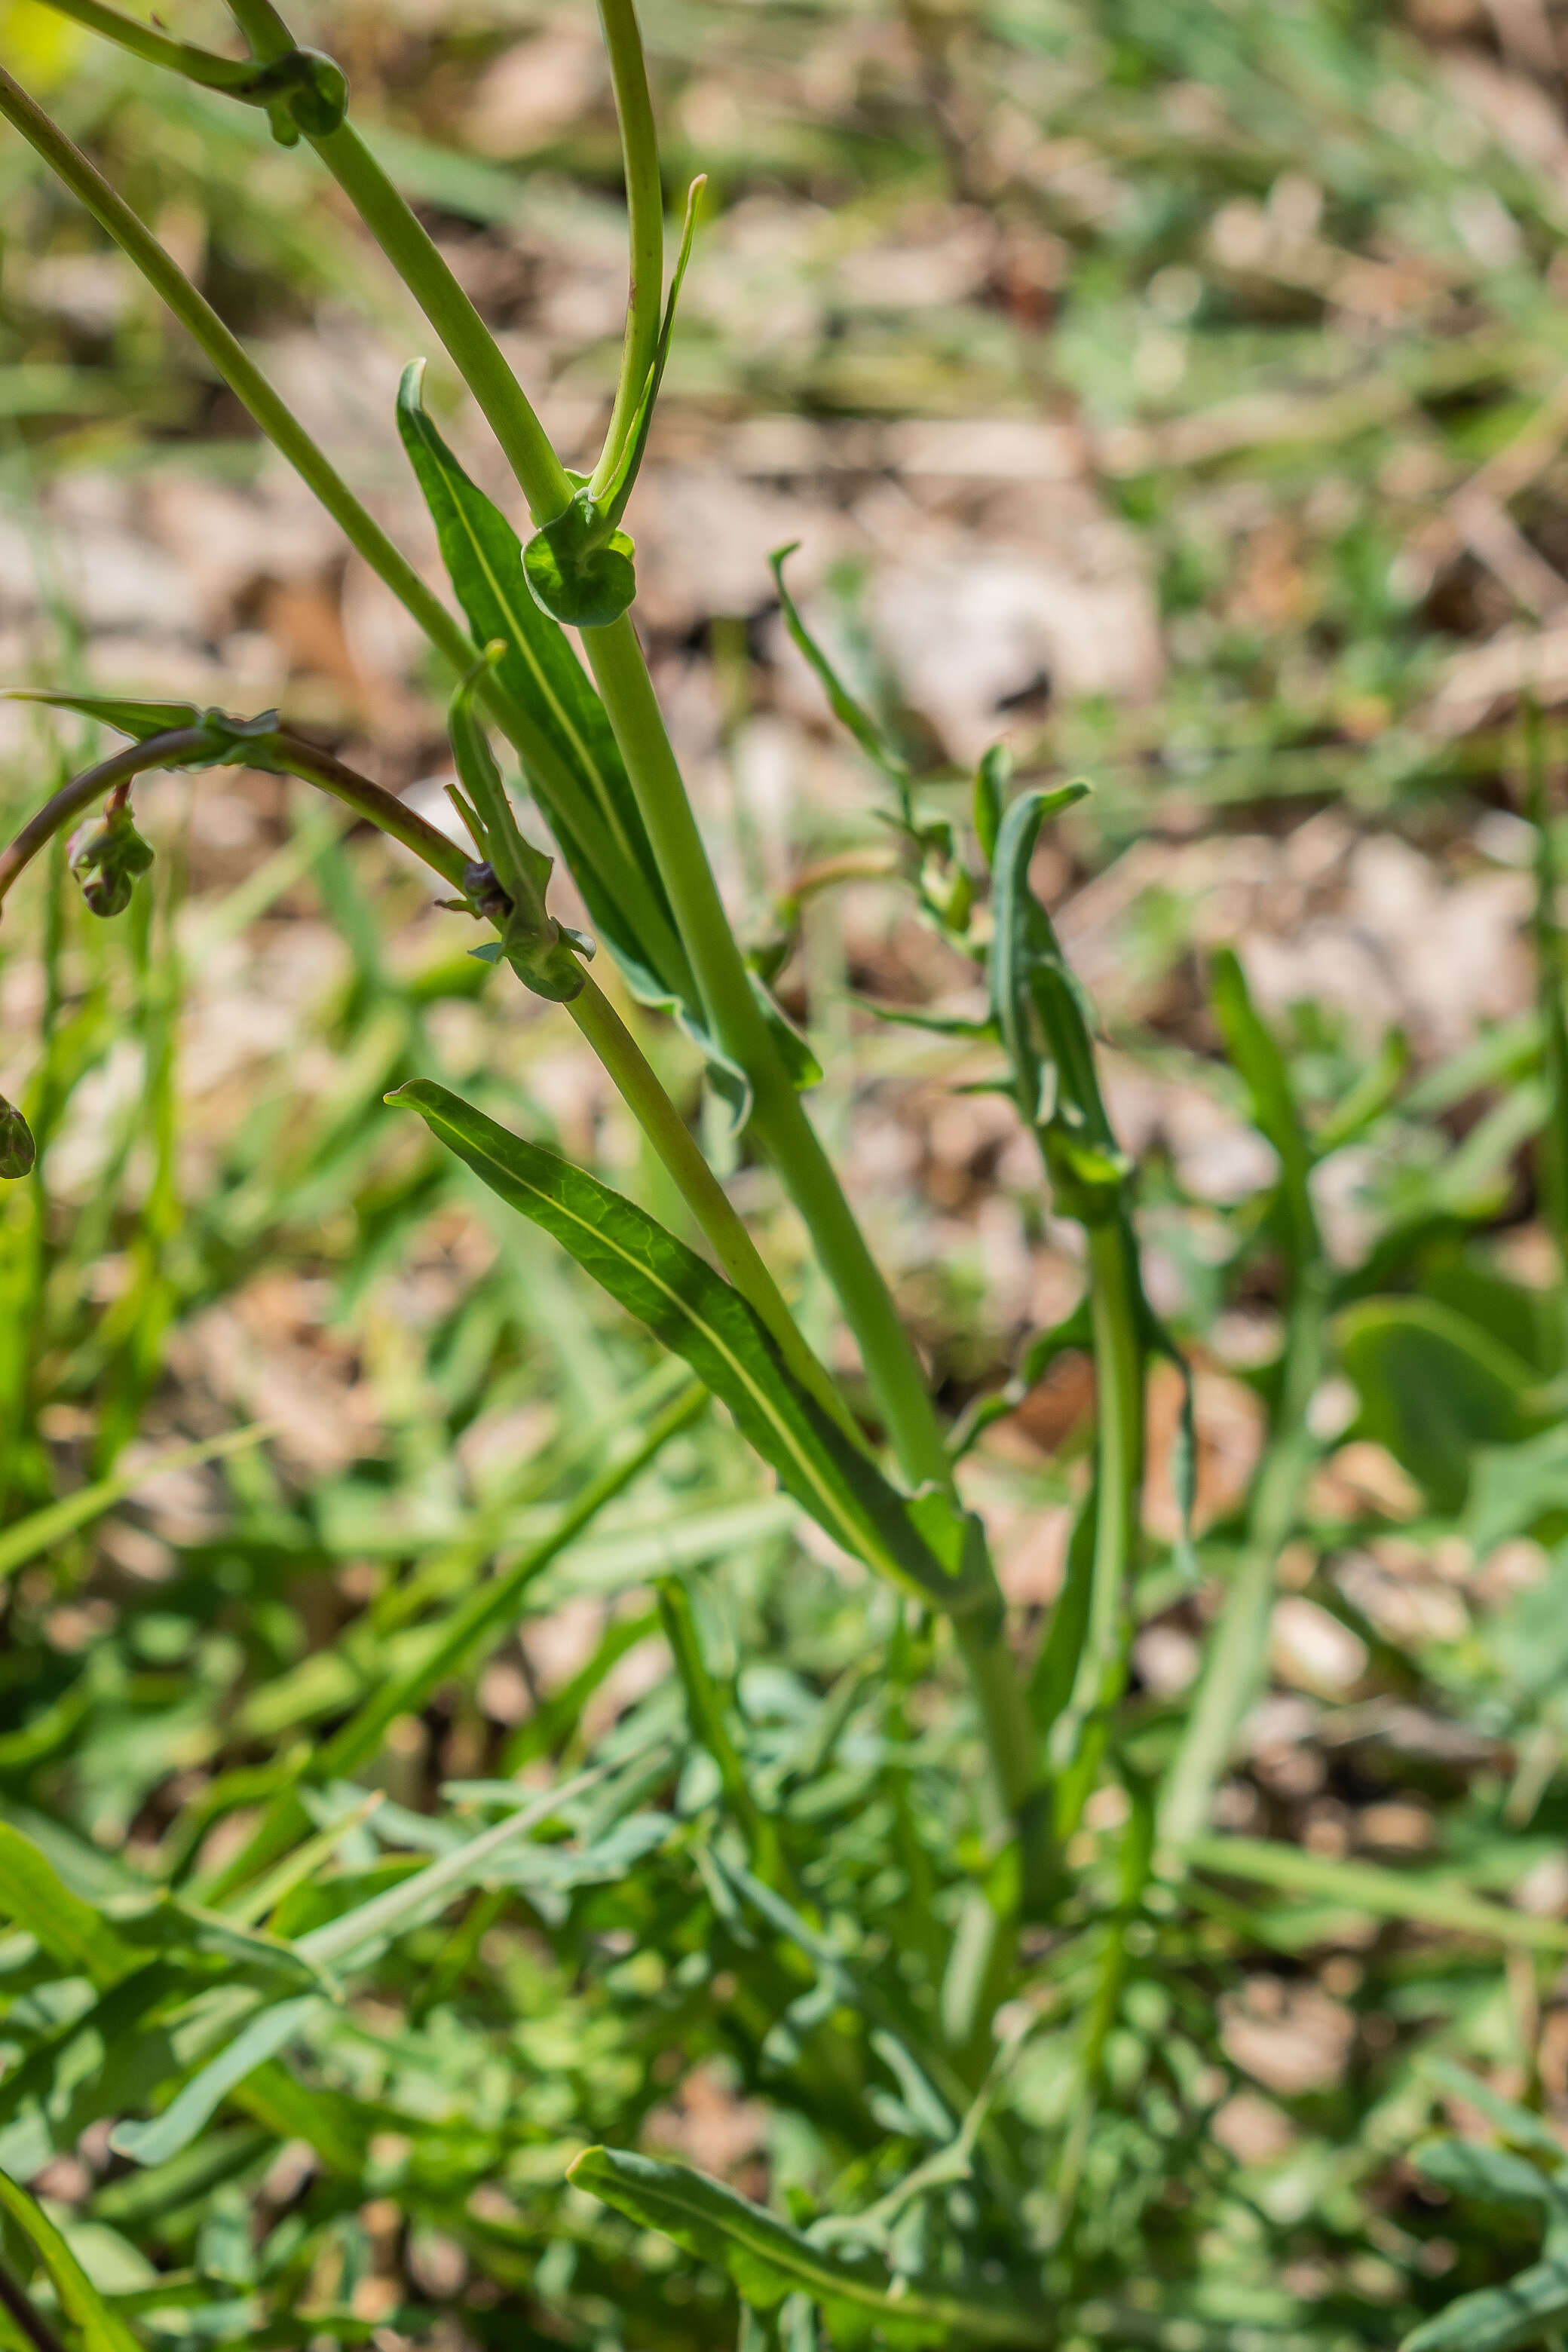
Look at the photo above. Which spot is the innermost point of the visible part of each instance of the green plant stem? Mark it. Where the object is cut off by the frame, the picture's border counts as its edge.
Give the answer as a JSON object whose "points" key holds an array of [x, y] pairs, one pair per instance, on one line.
{"points": [[1010, 1734], [263, 28], [778, 1116], [413, 253], [19, 2305], [1119, 1476], [276, 420], [175, 745], [204, 66], [1233, 1675], [705, 1714], [645, 211], [639, 1088], [236, 367], [469, 341], [1547, 940], [93, 784], [780, 1121]]}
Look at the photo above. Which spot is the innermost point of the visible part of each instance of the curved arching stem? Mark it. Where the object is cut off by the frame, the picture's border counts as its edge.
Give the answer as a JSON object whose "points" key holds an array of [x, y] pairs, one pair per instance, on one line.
{"points": [[178, 746], [164, 750]]}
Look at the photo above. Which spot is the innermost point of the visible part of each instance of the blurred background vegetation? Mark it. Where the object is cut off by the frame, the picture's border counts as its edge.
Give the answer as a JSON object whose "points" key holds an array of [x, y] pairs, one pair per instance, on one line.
{"points": [[1178, 391]]}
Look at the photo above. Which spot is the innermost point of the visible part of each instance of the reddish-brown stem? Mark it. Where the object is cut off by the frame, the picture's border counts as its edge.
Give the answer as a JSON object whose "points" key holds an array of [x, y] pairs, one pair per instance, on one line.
{"points": [[157, 752], [112, 778]]}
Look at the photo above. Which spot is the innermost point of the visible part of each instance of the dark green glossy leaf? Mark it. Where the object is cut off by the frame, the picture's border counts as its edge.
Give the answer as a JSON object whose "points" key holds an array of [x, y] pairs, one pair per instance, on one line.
{"points": [[99, 2330], [923, 1543], [768, 2260], [1433, 1388], [18, 1150]]}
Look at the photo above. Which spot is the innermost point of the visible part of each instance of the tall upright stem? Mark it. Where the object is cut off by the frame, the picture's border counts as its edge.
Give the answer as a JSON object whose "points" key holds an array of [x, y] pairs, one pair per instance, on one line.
{"points": [[234, 365], [469, 344], [1233, 1673], [1119, 1474], [779, 1118], [644, 221]]}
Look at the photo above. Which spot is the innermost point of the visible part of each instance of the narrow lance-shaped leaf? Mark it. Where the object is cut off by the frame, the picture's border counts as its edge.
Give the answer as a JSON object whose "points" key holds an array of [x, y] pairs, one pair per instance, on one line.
{"points": [[1255, 1055], [579, 565], [926, 1545], [850, 713], [195, 2104], [34, 1895], [138, 719], [531, 940], [1046, 1025], [992, 779], [768, 2260], [559, 726], [243, 742], [1045, 1021], [98, 2328]]}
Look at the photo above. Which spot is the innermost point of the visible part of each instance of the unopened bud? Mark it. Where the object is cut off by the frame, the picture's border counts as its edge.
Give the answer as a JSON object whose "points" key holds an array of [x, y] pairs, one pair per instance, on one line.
{"points": [[17, 1151], [108, 858]]}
